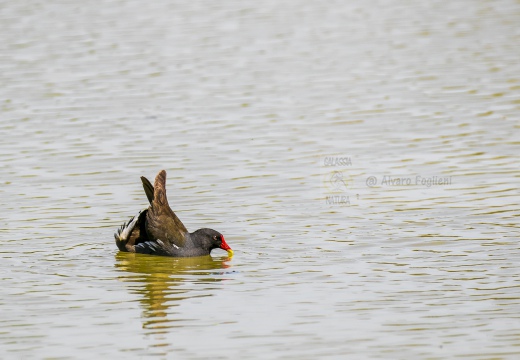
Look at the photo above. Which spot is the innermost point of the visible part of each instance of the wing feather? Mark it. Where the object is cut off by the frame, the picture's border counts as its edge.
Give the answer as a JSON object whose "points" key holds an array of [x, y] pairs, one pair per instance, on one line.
{"points": [[162, 223]]}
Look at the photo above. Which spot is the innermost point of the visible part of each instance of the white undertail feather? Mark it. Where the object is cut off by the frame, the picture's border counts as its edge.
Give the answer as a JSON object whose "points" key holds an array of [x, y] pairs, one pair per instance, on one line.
{"points": [[126, 229]]}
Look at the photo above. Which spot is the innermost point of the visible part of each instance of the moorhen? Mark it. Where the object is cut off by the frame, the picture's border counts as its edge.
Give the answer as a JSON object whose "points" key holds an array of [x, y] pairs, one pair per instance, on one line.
{"points": [[158, 231]]}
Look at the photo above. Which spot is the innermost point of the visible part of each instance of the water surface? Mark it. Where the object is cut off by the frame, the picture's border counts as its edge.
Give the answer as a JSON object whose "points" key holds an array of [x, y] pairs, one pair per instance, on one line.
{"points": [[242, 104]]}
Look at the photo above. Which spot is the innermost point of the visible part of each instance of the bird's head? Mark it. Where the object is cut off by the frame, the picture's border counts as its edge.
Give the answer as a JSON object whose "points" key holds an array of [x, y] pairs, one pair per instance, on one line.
{"points": [[212, 239]]}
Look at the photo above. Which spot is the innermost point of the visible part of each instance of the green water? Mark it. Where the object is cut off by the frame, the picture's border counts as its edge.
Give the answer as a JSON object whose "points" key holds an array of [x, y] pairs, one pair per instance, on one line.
{"points": [[311, 134]]}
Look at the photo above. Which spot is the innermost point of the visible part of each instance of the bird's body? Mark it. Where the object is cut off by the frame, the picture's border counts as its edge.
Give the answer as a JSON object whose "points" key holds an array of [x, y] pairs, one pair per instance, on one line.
{"points": [[158, 231]]}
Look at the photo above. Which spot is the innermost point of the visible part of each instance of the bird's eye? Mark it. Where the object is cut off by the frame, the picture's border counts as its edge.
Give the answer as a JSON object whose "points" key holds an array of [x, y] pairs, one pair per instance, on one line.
{"points": [[215, 237]]}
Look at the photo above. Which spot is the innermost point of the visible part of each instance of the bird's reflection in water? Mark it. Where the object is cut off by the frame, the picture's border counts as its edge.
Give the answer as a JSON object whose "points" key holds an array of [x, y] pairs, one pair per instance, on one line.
{"points": [[163, 282]]}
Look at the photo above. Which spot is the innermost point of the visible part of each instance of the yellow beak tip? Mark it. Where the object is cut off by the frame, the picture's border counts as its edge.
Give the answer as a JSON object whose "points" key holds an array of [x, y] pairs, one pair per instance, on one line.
{"points": [[230, 252]]}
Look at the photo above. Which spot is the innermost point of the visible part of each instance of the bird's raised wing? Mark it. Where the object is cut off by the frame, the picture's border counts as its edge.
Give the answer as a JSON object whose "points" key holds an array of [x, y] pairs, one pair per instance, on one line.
{"points": [[161, 222]]}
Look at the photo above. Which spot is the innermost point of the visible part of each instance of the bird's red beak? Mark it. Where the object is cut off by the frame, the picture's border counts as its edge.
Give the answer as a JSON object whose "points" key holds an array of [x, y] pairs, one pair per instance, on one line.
{"points": [[225, 246]]}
